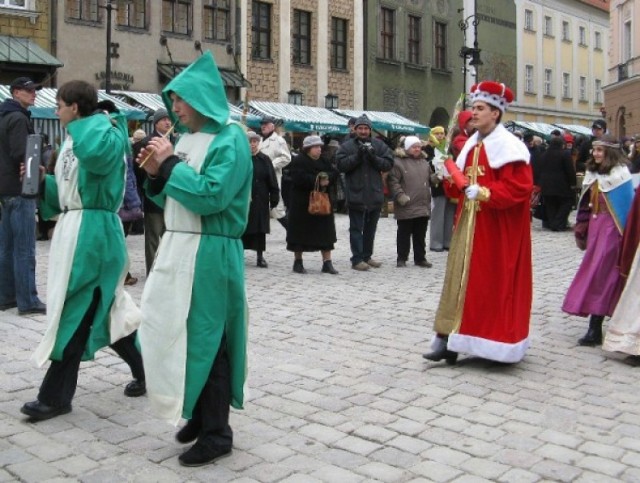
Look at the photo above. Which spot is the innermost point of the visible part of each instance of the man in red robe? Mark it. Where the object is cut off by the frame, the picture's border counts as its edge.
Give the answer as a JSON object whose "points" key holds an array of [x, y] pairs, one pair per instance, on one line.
{"points": [[485, 305]]}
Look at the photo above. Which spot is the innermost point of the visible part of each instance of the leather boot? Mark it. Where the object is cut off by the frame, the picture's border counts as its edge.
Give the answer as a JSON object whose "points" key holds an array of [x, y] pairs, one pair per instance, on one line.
{"points": [[593, 336], [298, 267], [327, 267], [261, 262], [441, 352]]}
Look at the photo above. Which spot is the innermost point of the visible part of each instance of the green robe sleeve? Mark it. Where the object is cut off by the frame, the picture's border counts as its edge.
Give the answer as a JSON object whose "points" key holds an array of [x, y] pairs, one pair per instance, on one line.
{"points": [[50, 204]]}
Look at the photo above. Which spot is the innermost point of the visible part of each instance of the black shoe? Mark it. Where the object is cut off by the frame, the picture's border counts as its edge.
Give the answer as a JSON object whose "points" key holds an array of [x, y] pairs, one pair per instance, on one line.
{"points": [[135, 388], [202, 453], [189, 432], [262, 263], [437, 355], [451, 358], [10, 305], [424, 263], [437, 250], [39, 308], [593, 336], [298, 267], [40, 411], [401, 264], [327, 267]]}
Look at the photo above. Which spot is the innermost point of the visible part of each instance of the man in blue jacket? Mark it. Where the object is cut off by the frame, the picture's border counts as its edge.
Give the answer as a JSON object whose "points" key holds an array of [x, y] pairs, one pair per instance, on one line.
{"points": [[18, 214], [363, 159]]}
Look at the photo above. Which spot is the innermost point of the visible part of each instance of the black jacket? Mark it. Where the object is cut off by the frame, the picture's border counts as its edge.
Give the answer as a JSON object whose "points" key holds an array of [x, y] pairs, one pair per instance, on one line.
{"points": [[307, 230], [15, 126], [264, 194], [363, 161], [557, 175]]}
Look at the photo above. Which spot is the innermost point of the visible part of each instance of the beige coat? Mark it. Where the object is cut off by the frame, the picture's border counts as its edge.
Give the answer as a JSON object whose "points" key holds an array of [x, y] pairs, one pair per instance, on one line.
{"points": [[410, 176]]}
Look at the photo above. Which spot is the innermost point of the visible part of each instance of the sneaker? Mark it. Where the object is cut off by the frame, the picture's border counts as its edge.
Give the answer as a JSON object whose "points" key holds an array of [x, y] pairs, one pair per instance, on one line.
{"points": [[361, 267], [374, 263], [202, 453]]}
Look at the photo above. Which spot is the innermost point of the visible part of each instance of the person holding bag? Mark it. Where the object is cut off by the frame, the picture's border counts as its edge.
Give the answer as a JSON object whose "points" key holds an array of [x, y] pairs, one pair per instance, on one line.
{"points": [[307, 232]]}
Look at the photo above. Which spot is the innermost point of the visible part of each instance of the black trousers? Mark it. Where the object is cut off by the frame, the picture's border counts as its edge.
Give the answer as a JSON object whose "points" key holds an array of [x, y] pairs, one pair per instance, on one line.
{"points": [[211, 412], [413, 229], [558, 209], [59, 384]]}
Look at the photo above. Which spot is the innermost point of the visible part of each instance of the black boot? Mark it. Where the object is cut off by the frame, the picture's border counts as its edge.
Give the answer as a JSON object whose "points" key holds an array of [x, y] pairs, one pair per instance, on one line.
{"points": [[298, 267], [593, 336], [261, 262], [327, 267], [441, 352]]}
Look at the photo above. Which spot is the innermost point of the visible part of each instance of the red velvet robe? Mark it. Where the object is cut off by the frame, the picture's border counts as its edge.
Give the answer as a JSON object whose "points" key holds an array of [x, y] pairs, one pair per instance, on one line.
{"points": [[497, 305]]}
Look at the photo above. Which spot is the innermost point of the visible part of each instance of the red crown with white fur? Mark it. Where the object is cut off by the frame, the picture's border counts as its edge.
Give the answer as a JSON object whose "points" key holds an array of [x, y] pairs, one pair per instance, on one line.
{"points": [[494, 93]]}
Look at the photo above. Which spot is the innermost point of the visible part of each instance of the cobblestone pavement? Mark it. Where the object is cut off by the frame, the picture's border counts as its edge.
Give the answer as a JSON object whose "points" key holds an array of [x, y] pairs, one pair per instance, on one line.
{"points": [[339, 391]]}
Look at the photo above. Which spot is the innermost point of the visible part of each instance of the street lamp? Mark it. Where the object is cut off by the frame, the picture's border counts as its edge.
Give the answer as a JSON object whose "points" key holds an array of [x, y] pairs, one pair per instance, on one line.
{"points": [[331, 101], [112, 48], [295, 97], [472, 53]]}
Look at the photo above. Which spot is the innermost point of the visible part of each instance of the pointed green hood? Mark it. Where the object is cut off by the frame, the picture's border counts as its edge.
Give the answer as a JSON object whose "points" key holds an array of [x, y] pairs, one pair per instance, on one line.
{"points": [[200, 85]]}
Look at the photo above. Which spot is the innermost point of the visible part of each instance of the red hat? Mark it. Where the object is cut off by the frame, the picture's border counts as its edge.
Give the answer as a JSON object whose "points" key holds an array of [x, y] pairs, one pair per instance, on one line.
{"points": [[568, 138], [494, 93]]}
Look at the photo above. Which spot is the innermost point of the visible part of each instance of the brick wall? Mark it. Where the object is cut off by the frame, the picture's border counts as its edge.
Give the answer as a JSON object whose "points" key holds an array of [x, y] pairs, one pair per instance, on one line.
{"points": [[22, 26], [341, 83], [304, 77]]}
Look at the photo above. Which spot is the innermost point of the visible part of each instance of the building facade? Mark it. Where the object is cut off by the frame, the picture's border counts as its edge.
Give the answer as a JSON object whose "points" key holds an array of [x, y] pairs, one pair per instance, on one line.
{"points": [[301, 51], [26, 41], [561, 67], [150, 41], [622, 93]]}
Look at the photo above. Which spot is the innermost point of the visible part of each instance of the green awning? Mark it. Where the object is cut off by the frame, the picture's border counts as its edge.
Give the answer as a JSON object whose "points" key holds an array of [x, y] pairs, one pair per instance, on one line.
{"points": [[45, 105], [230, 77], [151, 102], [297, 118], [388, 121], [19, 50], [539, 128], [576, 129]]}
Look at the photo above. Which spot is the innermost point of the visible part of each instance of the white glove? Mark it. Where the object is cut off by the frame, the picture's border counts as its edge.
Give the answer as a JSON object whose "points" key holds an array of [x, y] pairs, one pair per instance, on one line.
{"points": [[471, 191]]}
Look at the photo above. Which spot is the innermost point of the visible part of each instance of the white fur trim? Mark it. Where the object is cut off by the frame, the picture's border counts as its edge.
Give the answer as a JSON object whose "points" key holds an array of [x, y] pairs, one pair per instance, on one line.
{"points": [[607, 182], [494, 99], [488, 349], [501, 147]]}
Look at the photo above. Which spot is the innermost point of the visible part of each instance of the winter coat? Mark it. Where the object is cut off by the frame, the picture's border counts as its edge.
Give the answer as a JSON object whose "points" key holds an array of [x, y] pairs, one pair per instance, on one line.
{"points": [[363, 168], [557, 176], [305, 229], [15, 126], [264, 194], [410, 176]]}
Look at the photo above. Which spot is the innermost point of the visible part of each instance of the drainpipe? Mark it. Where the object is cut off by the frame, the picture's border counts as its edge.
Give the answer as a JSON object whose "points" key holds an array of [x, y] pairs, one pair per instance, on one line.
{"points": [[365, 53]]}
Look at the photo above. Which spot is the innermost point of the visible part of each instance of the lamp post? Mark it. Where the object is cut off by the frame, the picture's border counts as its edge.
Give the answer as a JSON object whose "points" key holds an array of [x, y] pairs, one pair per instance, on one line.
{"points": [[472, 53], [109, 7]]}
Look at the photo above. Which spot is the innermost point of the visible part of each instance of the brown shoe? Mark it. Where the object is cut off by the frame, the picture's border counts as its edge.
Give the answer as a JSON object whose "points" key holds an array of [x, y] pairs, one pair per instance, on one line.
{"points": [[361, 267], [374, 263], [131, 281]]}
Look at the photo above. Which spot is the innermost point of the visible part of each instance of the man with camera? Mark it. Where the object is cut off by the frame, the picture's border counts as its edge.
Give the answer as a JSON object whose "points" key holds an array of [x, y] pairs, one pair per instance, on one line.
{"points": [[363, 160]]}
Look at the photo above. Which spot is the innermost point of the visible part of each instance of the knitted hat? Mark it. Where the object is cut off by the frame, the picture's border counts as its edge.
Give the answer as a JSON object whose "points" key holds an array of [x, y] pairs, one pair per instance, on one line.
{"points": [[311, 141], [159, 115], [410, 141], [138, 135], [493, 93], [437, 130], [363, 121], [251, 135]]}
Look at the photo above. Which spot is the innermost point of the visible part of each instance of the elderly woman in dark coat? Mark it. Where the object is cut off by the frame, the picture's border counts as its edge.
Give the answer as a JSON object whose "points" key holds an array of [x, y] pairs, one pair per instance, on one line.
{"points": [[557, 179], [265, 195], [306, 232]]}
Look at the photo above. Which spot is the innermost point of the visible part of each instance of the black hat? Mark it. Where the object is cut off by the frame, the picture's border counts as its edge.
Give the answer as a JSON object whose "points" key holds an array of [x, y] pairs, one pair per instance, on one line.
{"points": [[268, 119], [24, 83], [363, 121], [599, 124], [352, 121]]}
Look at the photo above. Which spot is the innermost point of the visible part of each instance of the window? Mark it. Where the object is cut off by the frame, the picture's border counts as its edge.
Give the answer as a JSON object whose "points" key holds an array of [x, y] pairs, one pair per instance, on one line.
{"points": [[598, 40], [415, 34], [598, 91], [582, 32], [440, 45], [338, 43], [177, 16], [261, 30], [388, 33], [301, 37], [548, 26], [548, 82], [14, 4], [583, 88], [528, 78], [566, 85], [528, 20], [566, 36], [217, 15], [82, 10], [626, 41], [132, 14]]}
